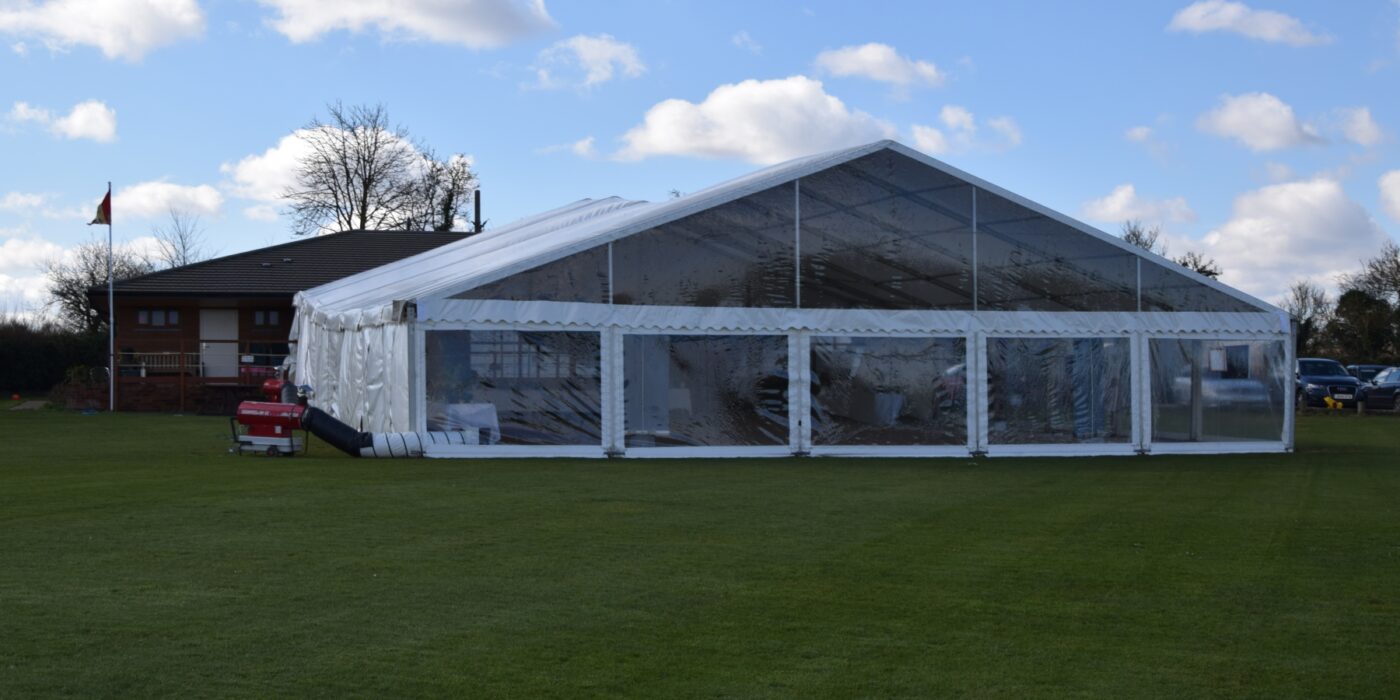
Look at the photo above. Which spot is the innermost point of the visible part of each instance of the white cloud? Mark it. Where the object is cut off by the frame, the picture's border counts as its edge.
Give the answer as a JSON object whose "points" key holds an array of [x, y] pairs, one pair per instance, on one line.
{"points": [[1278, 172], [1390, 193], [746, 42], [1009, 130], [35, 203], [23, 295], [584, 148], [1264, 25], [1124, 204], [1292, 231], [585, 61], [760, 121], [1147, 137], [266, 176], [959, 132], [21, 201], [148, 247], [146, 200], [1358, 127], [958, 119], [125, 29], [477, 24], [1258, 120], [261, 212], [24, 255], [929, 139], [25, 112], [90, 119], [879, 62], [23, 286]]}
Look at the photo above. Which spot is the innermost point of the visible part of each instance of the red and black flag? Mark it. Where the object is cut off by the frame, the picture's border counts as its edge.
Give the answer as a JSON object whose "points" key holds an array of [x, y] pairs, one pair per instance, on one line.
{"points": [[104, 211]]}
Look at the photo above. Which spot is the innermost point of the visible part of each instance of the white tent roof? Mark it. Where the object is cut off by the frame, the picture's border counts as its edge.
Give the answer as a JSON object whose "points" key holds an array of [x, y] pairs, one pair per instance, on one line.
{"points": [[375, 296]]}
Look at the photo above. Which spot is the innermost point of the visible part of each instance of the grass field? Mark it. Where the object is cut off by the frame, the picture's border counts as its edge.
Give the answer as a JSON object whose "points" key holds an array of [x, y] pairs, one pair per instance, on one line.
{"points": [[137, 559]]}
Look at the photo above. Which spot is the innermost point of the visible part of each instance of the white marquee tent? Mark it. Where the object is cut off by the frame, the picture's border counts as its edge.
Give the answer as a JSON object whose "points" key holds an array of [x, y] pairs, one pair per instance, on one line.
{"points": [[871, 301]]}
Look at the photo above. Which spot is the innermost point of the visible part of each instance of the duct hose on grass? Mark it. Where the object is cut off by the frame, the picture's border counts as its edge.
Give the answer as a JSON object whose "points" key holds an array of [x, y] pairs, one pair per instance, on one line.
{"points": [[358, 444]]}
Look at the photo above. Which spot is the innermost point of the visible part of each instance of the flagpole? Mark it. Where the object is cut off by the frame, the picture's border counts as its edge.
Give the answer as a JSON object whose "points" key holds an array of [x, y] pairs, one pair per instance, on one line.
{"points": [[111, 320]]}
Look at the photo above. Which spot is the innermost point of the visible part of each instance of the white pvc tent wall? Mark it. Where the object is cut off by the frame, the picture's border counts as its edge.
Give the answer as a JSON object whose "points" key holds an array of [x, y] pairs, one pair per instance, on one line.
{"points": [[554, 335]]}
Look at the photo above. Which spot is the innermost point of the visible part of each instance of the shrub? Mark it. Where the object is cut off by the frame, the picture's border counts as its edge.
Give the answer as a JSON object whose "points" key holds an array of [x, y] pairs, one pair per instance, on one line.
{"points": [[35, 355]]}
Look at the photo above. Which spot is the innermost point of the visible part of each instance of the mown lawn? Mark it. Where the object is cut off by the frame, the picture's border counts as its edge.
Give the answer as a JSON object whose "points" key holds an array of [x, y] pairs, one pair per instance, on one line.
{"points": [[137, 559]]}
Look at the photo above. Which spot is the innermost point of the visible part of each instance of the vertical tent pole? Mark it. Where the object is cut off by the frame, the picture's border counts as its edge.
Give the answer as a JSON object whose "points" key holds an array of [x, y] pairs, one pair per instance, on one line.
{"points": [[797, 241], [974, 249], [1198, 420], [1290, 359], [111, 320]]}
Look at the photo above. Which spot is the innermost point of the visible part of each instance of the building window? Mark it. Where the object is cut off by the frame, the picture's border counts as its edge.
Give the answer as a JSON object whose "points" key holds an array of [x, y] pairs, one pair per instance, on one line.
{"points": [[157, 318], [267, 317]]}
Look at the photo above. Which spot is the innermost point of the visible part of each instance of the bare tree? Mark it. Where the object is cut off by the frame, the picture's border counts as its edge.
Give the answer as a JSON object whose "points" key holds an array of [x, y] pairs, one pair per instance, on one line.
{"points": [[1198, 262], [1142, 236], [359, 173], [363, 173], [181, 240], [1307, 301], [1309, 306], [1379, 276], [442, 192], [85, 268], [1148, 238]]}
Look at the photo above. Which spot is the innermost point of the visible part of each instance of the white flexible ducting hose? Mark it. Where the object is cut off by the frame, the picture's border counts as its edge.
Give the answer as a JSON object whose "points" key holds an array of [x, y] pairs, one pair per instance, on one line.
{"points": [[412, 444]]}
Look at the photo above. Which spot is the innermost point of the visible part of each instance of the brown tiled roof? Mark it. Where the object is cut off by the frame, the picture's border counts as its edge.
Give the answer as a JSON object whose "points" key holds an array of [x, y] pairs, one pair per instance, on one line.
{"points": [[283, 270]]}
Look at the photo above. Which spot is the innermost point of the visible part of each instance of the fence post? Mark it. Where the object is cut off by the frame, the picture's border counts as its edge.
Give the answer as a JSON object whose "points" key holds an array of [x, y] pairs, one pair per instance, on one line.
{"points": [[181, 349]]}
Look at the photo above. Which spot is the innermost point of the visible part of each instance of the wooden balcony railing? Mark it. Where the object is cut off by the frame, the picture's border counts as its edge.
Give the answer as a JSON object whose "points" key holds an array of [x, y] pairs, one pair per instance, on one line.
{"points": [[176, 368]]}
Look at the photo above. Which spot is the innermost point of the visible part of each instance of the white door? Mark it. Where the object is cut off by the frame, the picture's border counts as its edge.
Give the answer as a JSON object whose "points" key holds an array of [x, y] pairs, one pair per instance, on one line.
{"points": [[220, 359]]}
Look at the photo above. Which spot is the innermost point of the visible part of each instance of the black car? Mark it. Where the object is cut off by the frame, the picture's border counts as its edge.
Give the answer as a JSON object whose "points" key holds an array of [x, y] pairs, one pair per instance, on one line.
{"points": [[1319, 378], [1380, 393], [1365, 372]]}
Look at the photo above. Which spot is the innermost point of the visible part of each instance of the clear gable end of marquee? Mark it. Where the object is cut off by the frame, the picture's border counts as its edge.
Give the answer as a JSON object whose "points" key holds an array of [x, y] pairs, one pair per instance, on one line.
{"points": [[872, 301]]}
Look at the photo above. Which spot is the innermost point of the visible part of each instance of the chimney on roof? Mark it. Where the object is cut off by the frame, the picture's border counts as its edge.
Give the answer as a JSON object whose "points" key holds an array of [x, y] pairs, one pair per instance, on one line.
{"points": [[476, 207]]}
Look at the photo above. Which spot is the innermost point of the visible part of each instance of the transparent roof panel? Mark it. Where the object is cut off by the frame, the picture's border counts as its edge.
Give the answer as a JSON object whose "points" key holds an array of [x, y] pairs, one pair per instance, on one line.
{"points": [[1165, 289], [1028, 261], [737, 254], [579, 277], [882, 231], [886, 232]]}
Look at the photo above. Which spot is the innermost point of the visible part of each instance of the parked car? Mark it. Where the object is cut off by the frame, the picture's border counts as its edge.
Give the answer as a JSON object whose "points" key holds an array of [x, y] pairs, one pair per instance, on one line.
{"points": [[1218, 392], [1380, 393], [1319, 378], [1365, 372]]}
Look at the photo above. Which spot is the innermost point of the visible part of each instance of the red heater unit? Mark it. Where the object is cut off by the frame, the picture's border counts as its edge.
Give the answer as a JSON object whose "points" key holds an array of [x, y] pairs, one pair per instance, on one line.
{"points": [[268, 426]]}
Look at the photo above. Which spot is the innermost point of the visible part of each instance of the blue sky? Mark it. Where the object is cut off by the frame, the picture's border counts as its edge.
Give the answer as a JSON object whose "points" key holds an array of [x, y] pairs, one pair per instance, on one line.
{"points": [[1262, 133]]}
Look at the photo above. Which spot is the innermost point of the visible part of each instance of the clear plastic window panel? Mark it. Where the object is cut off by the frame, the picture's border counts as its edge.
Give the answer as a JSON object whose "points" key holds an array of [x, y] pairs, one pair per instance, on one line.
{"points": [[889, 391], [738, 254], [1166, 289], [1218, 390], [581, 277], [886, 232], [1029, 262], [516, 387], [1058, 391], [705, 390]]}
